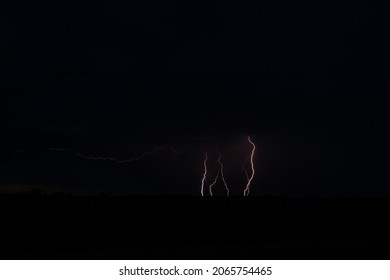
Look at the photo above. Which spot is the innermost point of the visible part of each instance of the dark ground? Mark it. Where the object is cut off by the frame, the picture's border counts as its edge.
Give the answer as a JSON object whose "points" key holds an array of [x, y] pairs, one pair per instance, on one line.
{"points": [[125, 227]]}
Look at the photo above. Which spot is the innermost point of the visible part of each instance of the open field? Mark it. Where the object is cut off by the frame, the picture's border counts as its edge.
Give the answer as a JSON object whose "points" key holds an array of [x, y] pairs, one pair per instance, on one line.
{"points": [[125, 227]]}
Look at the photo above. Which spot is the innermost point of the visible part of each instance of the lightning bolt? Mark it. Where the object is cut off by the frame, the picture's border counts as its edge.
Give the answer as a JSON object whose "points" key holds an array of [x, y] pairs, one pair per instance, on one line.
{"points": [[219, 173], [213, 183], [245, 171], [220, 166], [222, 175], [250, 178], [204, 173]]}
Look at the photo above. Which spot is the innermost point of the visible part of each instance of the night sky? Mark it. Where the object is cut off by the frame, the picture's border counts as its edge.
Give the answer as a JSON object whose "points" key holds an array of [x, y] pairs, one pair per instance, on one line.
{"points": [[306, 80]]}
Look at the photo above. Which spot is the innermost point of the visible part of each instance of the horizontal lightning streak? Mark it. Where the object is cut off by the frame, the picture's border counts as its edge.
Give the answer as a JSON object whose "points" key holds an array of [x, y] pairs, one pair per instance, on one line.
{"points": [[116, 160], [176, 152]]}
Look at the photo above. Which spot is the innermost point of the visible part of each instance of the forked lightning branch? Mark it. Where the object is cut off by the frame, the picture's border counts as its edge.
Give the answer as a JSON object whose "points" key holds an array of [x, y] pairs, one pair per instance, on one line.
{"points": [[220, 172]]}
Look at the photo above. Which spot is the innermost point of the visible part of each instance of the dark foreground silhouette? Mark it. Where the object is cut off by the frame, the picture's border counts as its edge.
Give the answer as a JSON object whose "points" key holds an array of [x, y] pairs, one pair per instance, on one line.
{"points": [[37, 226]]}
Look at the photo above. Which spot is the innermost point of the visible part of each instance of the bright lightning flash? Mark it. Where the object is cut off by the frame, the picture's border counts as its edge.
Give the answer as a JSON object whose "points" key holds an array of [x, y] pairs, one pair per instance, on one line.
{"points": [[204, 173], [220, 172], [250, 178]]}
